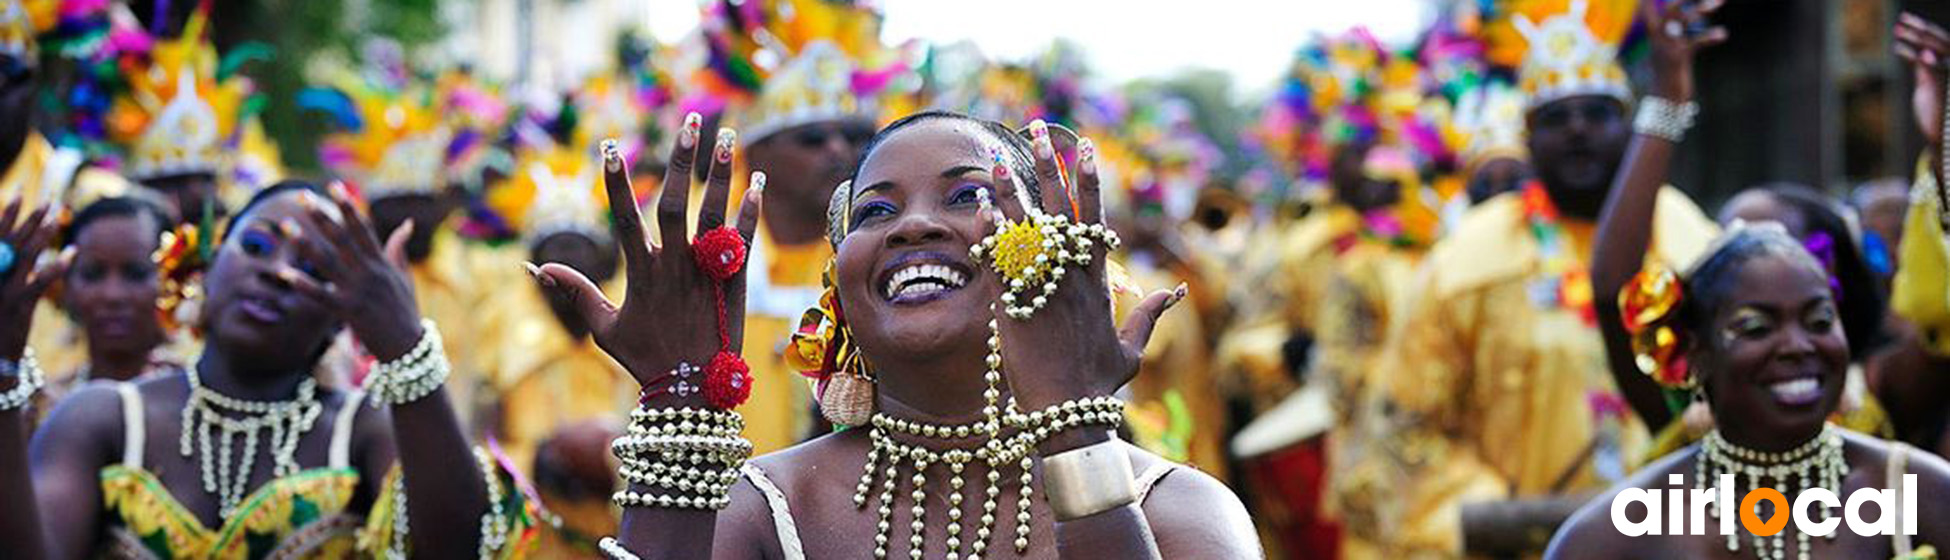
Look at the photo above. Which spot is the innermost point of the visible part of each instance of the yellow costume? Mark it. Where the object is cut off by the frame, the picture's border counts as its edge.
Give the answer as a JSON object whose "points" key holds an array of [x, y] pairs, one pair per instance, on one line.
{"points": [[542, 378], [1500, 392], [450, 291], [1177, 367], [773, 305], [827, 54], [1922, 286], [302, 515]]}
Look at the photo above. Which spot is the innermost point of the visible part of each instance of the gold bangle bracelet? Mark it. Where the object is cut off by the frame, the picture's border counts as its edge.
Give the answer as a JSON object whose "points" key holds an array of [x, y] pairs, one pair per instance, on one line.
{"points": [[1089, 480]]}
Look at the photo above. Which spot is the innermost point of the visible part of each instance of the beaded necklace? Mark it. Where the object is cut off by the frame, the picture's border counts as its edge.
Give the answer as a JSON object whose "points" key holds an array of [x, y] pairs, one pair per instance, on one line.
{"points": [[1818, 463], [1567, 285], [209, 411]]}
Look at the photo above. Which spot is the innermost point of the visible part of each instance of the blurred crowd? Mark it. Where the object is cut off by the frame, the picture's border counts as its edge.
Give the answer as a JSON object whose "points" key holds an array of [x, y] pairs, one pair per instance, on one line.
{"points": [[1396, 344]]}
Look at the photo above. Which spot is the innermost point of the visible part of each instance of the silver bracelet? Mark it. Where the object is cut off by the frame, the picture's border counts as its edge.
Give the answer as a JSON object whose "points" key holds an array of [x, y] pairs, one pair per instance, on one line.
{"points": [[30, 379], [1662, 119], [413, 376], [1089, 480], [614, 550]]}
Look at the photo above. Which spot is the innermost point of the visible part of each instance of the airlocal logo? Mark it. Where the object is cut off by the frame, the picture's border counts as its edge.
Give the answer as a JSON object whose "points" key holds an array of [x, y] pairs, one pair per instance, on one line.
{"points": [[1671, 511]]}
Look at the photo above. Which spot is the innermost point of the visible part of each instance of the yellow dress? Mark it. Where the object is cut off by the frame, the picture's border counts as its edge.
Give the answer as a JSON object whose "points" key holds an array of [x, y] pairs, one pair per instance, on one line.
{"points": [[1921, 293], [452, 286], [1497, 391], [779, 413], [302, 515], [28, 176], [542, 378], [1369, 284], [1273, 307], [1177, 374]]}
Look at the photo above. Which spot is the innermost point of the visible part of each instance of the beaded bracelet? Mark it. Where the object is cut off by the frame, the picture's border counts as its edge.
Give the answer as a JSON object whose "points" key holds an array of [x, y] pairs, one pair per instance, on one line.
{"points": [[627, 498], [692, 456], [1107, 411], [31, 379], [1664, 119], [413, 376]]}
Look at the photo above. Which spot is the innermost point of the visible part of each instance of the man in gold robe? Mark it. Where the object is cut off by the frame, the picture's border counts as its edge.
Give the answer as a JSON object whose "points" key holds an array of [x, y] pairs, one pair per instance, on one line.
{"points": [[1503, 414]]}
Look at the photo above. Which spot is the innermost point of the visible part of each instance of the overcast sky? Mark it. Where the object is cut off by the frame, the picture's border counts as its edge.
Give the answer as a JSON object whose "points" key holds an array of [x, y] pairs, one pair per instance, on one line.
{"points": [[1251, 39]]}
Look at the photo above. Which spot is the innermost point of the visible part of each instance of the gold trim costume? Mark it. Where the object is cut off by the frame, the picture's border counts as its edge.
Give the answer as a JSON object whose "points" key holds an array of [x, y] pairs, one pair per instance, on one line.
{"points": [[1496, 374]]}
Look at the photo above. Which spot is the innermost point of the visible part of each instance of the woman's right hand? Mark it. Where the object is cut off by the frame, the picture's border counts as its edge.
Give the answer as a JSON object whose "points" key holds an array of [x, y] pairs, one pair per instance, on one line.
{"points": [[21, 281], [1926, 47], [670, 311]]}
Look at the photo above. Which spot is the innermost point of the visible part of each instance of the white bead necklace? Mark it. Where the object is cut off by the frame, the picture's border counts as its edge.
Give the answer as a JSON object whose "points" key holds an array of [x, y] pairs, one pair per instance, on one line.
{"points": [[1819, 463], [209, 411]]}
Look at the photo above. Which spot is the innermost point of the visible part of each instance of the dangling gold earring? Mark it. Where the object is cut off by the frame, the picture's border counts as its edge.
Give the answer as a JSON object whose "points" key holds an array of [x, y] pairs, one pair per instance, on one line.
{"points": [[823, 349]]}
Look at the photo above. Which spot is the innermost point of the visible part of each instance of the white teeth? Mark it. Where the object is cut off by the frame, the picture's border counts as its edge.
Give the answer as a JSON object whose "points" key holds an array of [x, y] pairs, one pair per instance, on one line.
{"points": [[1796, 390], [923, 278]]}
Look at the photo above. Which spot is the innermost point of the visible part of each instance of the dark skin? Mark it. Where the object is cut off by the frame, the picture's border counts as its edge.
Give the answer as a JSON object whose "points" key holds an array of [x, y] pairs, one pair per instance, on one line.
{"points": [[1625, 233], [1576, 144], [194, 195], [17, 88], [111, 291], [390, 212], [594, 259], [261, 303], [1778, 324], [1353, 187], [921, 182], [803, 164], [1909, 382], [1496, 177]]}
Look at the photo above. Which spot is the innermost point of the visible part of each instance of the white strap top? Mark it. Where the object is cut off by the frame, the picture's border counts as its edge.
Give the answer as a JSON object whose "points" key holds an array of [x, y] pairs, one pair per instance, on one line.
{"points": [[789, 532], [134, 428], [1898, 466]]}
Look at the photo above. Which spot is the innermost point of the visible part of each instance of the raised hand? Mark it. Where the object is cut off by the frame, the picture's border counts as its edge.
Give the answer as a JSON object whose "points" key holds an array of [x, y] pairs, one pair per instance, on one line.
{"points": [[1926, 46], [1071, 348], [669, 315], [361, 280], [22, 277], [1678, 31]]}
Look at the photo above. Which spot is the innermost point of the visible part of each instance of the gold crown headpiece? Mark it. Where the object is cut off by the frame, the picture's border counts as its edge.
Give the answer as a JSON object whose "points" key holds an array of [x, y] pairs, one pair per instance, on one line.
{"points": [[553, 190], [1569, 48], [178, 112]]}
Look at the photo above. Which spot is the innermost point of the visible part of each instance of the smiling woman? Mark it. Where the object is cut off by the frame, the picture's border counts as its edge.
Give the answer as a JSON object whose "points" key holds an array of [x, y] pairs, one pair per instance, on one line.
{"points": [[956, 393]]}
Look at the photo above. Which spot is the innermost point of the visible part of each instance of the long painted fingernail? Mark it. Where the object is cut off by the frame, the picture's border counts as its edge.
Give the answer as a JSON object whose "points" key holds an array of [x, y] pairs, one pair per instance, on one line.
{"points": [[612, 157], [727, 140], [998, 168], [688, 136], [67, 254], [289, 229], [1039, 134], [1178, 294], [1087, 156], [339, 191], [758, 184]]}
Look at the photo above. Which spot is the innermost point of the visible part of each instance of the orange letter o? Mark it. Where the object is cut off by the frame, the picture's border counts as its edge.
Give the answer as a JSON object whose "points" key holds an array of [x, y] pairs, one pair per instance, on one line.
{"points": [[1751, 520]]}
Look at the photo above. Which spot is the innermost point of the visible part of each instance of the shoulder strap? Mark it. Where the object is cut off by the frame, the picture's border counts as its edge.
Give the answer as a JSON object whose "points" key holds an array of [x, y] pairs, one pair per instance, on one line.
{"points": [[1898, 465], [781, 515], [133, 427], [342, 429], [1150, 479]]}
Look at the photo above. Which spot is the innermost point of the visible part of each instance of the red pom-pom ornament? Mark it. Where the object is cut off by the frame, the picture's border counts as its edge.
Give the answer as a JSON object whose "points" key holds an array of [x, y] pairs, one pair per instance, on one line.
{"points": [[720, 252], [728, 381]]}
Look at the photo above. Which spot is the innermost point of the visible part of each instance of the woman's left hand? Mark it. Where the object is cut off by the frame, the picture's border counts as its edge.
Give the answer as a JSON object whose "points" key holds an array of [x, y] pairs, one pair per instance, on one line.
{"points": [[1071, 349], [360, 279], [1679, 30]]}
